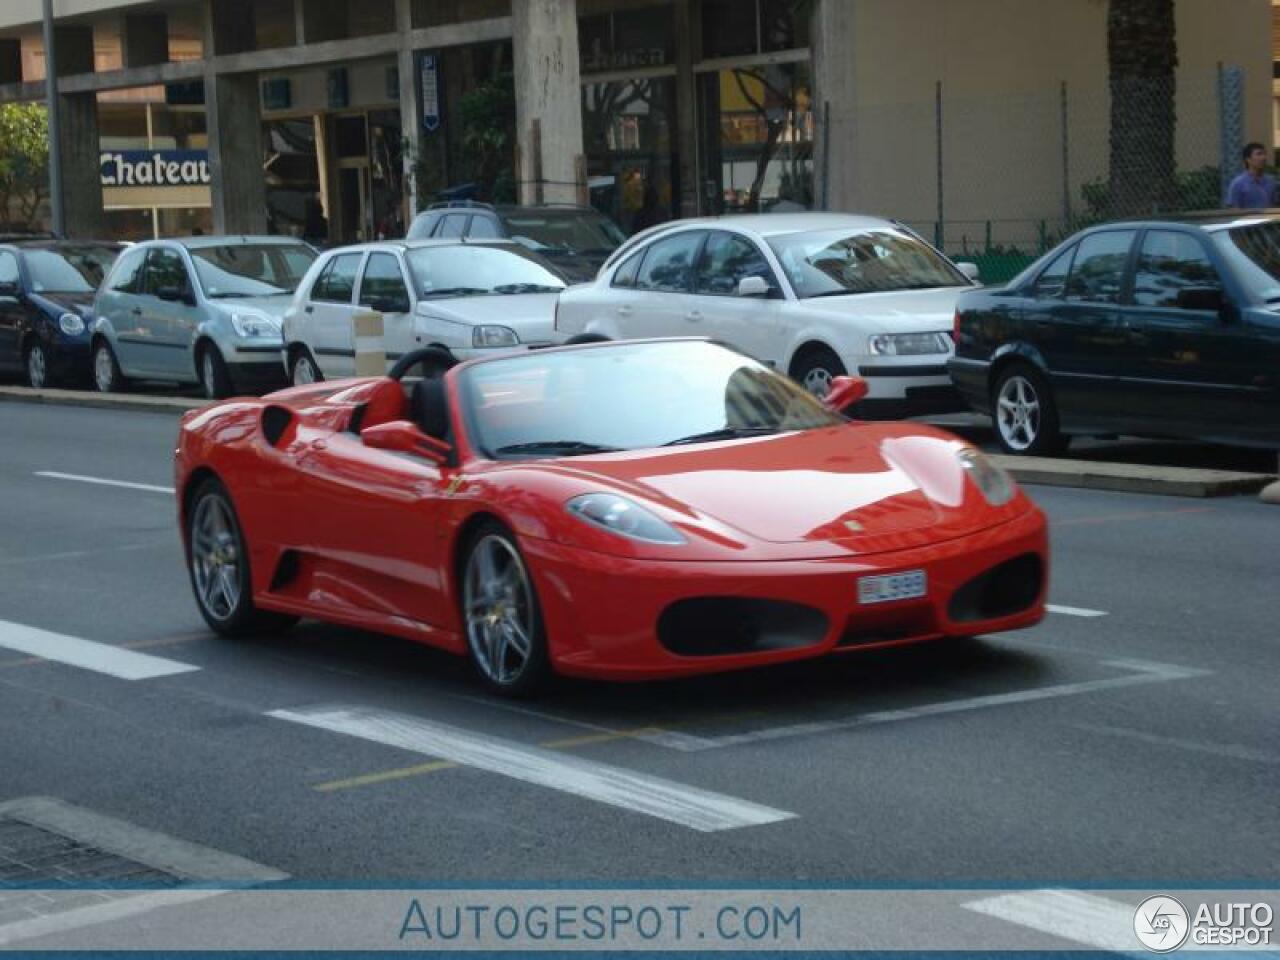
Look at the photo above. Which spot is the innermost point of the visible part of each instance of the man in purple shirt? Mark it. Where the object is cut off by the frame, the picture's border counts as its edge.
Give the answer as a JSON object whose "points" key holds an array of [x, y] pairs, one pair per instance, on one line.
{"points": [[1253, 189]]}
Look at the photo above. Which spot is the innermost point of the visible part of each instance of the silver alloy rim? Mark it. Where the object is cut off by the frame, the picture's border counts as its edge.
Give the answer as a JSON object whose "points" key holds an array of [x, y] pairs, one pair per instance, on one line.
{"points": [[215, 558], [499, 610], [104, 374], [35, 366], [303, 372], [1018, 413], [818, 381], [206, 370]]}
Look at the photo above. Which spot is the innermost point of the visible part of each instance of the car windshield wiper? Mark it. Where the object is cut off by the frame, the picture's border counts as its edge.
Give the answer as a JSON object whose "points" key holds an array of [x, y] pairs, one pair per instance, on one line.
{"points": [[724, 433], [456, 292], [526, 288], [233, 295], [571, 447]]}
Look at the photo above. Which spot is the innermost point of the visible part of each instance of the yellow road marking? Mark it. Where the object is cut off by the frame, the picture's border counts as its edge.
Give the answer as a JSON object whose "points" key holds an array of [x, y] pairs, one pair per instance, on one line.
{"points": [[384, 776]]}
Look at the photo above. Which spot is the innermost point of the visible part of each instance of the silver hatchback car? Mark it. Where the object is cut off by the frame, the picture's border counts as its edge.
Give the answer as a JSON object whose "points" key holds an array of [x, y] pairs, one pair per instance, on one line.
{"points": [[197, 310]]}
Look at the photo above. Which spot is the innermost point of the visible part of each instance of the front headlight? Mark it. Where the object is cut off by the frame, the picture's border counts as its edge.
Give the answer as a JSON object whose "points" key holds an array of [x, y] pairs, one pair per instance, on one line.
{"points": [[623, 517], [72, 324], [908, 344], [995, 484], [254, 325], [492, 335]]}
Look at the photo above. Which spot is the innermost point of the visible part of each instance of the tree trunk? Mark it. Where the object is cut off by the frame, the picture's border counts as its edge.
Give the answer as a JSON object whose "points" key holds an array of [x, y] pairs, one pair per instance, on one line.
{"points": [[1142, 53]]}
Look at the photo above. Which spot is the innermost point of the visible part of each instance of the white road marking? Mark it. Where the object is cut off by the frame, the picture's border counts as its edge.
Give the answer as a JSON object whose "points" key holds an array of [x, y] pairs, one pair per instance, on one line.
{"points": [[102, 481], [665, 799], [1232, 751], [87, 654], [1074, 611], [1070, 915], [1143, 672]]}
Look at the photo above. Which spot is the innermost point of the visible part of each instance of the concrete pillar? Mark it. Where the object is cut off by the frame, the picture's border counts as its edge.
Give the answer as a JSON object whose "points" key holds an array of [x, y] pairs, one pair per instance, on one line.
{"points": [[10, 60], [81, 171], [235, 153], [833, 30], [144, 39], [548, 91], [410, 118], [74, 50]]}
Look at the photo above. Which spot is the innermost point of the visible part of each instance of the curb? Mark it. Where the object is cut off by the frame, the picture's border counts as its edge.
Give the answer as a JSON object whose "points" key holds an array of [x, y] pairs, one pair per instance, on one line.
{"points": [[106, 401], [1132, 477]]}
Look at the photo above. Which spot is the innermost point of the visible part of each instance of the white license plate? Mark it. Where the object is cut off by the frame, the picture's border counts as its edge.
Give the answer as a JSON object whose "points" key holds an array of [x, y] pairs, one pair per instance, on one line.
{"points": [[892, 586]]}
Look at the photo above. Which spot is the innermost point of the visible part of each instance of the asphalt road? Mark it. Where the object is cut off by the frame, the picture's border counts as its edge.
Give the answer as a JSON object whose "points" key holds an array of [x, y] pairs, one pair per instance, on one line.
{"points": [[1129, 738]]}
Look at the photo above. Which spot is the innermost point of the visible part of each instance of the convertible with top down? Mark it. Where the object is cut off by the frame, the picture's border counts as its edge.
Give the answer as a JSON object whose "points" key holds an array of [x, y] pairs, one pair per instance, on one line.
{"points": [[621, 510]]}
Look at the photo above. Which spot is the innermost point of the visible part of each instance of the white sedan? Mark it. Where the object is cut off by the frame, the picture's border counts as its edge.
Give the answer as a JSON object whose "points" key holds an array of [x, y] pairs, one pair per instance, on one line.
{"points": [[816, 295], [470, 298]]}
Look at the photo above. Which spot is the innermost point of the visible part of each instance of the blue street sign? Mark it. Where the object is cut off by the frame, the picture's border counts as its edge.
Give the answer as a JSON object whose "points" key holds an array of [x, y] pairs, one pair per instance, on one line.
{"points": [[430, 93]]}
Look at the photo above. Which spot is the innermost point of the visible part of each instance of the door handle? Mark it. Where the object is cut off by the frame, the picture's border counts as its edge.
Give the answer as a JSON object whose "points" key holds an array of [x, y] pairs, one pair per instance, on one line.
{"points": [[309, 309]]}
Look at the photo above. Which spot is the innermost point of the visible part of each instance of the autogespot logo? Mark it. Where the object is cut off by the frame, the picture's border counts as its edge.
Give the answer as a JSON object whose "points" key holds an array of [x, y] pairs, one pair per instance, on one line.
{"points": [[1161, 924]]}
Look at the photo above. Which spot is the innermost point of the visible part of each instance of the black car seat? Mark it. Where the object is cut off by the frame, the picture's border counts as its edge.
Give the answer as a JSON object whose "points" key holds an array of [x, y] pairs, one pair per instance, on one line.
{"points": [[429, 407]]}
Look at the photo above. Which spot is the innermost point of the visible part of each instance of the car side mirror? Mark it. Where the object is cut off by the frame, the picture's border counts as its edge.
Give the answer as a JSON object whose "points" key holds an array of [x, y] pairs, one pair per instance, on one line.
{"points": [[753, 287], [405, 437], [970, 270], [9, 288], [176, 295], [1200, 298], [844, 393]]}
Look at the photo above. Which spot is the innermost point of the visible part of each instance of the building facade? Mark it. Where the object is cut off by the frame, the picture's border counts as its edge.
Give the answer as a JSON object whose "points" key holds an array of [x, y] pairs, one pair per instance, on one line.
{"points": [[984, 121]]}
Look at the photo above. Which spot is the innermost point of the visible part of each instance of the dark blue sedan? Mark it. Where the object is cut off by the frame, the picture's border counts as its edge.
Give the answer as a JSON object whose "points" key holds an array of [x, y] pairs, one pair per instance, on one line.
{"points": [[46, 295]]}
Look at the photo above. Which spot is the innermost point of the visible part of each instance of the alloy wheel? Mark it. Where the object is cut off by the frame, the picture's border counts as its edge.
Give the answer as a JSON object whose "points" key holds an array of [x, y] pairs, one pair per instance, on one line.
{"points": [[818, 381], [207, 374], [499, 608], [303, 371], [215, 558], [37, 370], [104, 372], [1018, 412]]}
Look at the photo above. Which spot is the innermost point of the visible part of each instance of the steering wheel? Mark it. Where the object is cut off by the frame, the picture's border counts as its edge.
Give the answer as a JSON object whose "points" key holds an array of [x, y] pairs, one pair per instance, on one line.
{"points": [[435, 361]]}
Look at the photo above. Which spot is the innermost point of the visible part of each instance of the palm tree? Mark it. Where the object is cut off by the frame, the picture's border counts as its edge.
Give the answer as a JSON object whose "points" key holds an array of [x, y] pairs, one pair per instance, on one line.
{"points": [[1142, 53]]}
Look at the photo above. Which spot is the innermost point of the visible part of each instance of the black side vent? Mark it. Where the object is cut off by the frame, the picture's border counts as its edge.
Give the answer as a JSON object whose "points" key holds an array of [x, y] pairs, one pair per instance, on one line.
{"points": [[286, 570], [275, 421], [707, 626], [1005, 589]]}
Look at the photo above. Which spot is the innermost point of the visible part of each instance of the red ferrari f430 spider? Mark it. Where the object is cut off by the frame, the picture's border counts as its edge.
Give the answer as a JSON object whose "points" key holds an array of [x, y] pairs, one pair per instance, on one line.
{"points": [[624, 510]]}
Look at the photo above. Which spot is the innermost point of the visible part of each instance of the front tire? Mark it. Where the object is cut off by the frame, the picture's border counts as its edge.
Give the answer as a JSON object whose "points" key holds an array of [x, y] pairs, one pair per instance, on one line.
{"points": [[215, 379], [1024, 412], [815, 368], [107, 377], [218, 562], [37, 366], [303, 369], [505, 634]]}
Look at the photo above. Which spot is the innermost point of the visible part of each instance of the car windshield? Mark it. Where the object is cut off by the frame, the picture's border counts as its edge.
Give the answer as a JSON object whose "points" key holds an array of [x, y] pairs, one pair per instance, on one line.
{"points": [[1254, 251], [825, 263], [70, 269], [251, 269], [628, 397], [564, 232], [472, 269]]}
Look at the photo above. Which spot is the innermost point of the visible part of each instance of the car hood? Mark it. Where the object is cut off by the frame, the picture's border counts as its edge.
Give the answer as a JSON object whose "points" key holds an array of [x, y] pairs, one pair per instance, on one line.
{"points": [[892, 311], [273, 306], [77, 303], [857, 488], [531, 315]]}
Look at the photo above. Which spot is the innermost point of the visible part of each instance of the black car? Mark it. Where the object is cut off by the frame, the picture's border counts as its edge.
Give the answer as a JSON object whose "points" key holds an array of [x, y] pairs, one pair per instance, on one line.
{"points": [[576, 239], [1166, 328], [46, 296]]}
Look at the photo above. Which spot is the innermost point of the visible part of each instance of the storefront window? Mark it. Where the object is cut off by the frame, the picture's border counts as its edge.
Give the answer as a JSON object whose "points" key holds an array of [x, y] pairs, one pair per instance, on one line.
{"points": [[294, 203], [757, 135], [629, 135], [626, 39], [177, 129], [438, 13], [122, 126], [739, 28], [185, 222]]}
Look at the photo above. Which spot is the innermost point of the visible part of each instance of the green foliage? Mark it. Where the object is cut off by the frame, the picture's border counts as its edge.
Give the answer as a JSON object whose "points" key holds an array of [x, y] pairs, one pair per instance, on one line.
{"points": [[24, 161], [1199, 189], [487, 115]]}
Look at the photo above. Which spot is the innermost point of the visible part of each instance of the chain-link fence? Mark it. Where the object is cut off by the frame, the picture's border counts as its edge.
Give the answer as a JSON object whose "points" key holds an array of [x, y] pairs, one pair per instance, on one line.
{"points": [[998, 182]]}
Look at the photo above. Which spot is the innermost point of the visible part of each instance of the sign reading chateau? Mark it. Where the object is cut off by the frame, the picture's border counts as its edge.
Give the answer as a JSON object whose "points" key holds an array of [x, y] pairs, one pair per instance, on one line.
{"points": [[155, 168]]}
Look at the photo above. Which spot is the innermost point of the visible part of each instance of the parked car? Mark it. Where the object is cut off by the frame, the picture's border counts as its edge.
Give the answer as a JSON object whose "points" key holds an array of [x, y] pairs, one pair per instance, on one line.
{"points": [[1166, 328], [814, 295], [469, 298], [596, 510], [200, 310], [575, 239], [46, 293]]}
